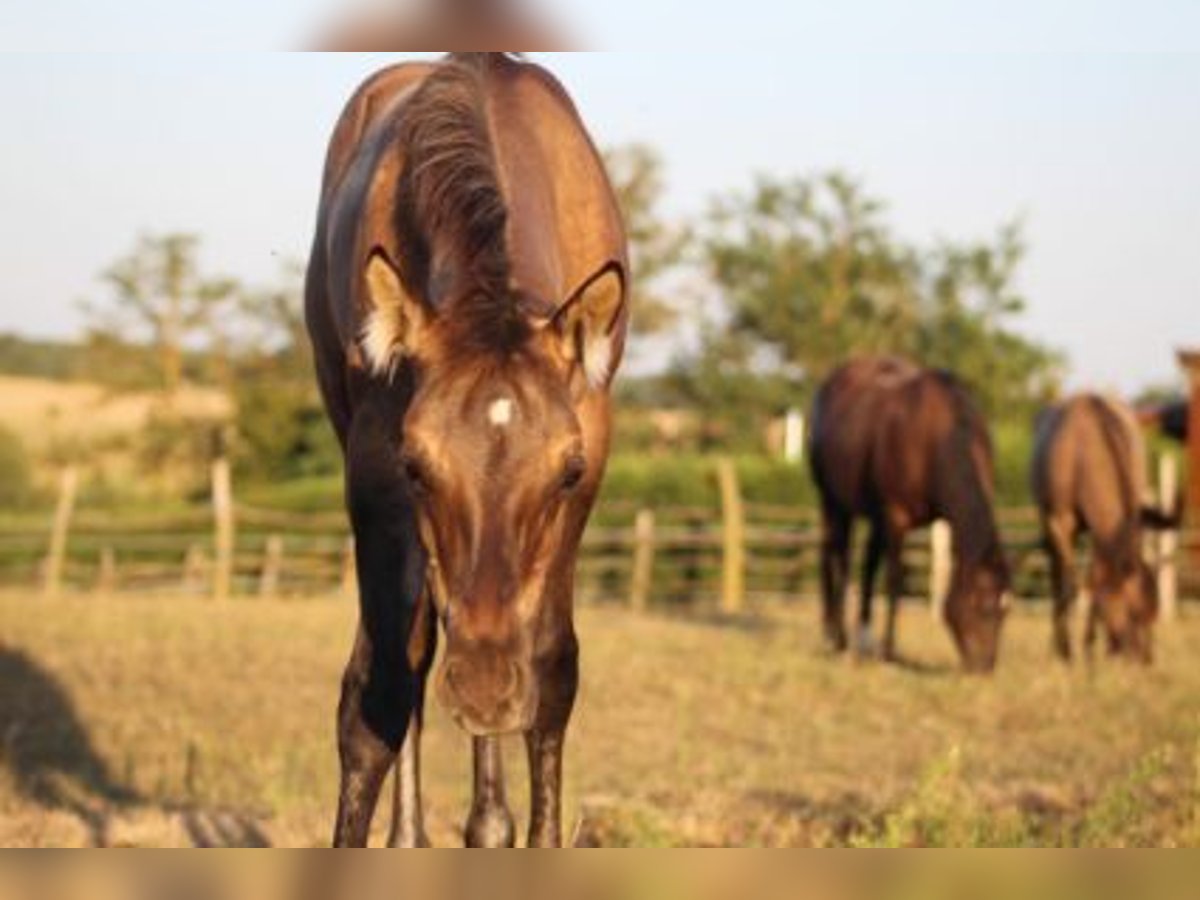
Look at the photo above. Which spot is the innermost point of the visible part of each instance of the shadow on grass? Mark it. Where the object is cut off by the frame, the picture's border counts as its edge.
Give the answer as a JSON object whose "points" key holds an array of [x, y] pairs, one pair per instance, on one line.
{"points": [[46, 749], [923, 668]]}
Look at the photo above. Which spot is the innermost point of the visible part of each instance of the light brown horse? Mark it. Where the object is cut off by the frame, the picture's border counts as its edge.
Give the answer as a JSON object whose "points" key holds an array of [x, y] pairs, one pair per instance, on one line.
{"points": [[903, 447], [1089, 476], [467, 305]]}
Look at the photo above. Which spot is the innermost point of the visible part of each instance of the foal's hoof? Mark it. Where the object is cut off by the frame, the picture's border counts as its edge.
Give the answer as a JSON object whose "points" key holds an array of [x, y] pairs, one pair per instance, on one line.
{"points": [[836, 641], [491, 829], [866, 647]]}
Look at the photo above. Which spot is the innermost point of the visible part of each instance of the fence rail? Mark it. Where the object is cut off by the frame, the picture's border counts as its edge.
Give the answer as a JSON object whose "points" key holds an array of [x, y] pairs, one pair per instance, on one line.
{"points": [[726, 558]]}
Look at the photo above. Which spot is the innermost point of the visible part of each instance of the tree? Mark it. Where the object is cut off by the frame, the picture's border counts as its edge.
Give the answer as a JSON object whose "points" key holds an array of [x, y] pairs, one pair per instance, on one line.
{"points": [[811, 275], [810, 270], [158, 299], [971, 301], [281, 425], [657, 247]]}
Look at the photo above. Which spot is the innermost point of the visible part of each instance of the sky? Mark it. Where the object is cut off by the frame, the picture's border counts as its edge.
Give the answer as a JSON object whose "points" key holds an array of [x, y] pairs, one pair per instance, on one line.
{"points": [[1097, 152]]}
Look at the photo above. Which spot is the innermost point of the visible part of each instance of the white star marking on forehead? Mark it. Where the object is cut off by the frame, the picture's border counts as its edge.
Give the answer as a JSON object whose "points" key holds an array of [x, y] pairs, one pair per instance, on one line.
{"points": [[500, 413]]}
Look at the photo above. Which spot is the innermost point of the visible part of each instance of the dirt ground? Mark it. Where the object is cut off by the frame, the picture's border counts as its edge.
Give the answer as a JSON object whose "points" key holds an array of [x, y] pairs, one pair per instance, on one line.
{"points": [[175, 722]]}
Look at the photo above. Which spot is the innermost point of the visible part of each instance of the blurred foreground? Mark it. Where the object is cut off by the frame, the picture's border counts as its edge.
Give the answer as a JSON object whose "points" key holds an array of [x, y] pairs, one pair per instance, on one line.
{"points": [[764, 877], [179, 722]]}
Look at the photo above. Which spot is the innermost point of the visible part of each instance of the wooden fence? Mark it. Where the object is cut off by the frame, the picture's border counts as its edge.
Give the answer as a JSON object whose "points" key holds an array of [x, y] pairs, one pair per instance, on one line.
{"points": [[726, 558]]}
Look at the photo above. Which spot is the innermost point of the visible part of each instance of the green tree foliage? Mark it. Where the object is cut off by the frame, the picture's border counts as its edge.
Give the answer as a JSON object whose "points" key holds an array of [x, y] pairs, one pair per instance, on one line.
{"points": [[158, 300], [656, 245], [969, 305], [811, 272], [281, 424], [16, 473], [810, 275]]}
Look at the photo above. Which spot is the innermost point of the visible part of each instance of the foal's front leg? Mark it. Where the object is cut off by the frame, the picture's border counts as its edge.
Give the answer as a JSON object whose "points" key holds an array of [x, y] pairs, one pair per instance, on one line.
{"points": [[373, 718], [490, 826], [545, 743], [408, 812], [379, 687]]}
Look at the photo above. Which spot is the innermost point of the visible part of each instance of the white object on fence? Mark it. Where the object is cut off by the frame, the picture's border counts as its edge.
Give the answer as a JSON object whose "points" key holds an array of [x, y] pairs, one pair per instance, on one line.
{"points": [[1168, 541], [793, 436], [941, 566]]}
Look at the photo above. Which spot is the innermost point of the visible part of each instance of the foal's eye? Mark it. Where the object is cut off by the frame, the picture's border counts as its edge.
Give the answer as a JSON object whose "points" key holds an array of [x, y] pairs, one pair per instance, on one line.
{"points": [[573, 474]]}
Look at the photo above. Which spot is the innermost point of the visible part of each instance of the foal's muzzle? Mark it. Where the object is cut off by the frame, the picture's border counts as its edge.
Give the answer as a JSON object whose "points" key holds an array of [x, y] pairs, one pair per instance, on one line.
{"points": [[487, 691]]}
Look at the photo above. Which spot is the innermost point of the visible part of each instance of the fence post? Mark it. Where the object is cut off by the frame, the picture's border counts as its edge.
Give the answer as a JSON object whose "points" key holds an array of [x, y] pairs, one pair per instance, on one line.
{"points": [[349, 587], [941, 567], [733, 515], [224, 534], [268, 582], [194, 564], [106, 578], [56, 557], [643, 561], [1168, 541]]}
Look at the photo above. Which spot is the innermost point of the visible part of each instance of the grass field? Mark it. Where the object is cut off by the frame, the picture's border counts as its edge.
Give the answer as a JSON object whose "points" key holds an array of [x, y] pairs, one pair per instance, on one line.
{"points": [[177, 723]]}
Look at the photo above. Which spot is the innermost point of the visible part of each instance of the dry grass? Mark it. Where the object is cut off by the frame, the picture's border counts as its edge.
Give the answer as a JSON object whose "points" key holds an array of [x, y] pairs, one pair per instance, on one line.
{"points": [[174, 722]]}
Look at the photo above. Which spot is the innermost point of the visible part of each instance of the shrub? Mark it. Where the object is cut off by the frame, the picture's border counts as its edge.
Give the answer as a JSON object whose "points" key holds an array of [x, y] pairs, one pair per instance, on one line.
{"points": [[16, 472]]}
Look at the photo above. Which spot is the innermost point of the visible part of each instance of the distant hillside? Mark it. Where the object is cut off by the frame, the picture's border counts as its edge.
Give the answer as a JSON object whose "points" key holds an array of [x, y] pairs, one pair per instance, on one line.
{"points": [[126, 441], [52, 360]]}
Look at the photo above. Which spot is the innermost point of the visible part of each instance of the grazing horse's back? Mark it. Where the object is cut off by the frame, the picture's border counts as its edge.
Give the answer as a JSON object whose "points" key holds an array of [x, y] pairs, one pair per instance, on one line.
{"points": [[467, 302], [903, 447]]}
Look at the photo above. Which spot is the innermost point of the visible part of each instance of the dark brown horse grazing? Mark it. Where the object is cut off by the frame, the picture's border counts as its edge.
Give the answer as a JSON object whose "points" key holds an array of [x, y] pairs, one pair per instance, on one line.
{"points": [[467, 305], [1089, 475], [904, 447]]}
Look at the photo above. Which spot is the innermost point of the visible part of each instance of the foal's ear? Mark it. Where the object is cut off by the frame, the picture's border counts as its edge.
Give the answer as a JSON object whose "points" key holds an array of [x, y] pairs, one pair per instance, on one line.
{"points": [[587, 325], [395, 319]]}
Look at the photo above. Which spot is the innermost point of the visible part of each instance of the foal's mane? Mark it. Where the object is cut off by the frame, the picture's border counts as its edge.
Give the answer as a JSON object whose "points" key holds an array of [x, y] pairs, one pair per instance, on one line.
{"points": [[452, 215]]}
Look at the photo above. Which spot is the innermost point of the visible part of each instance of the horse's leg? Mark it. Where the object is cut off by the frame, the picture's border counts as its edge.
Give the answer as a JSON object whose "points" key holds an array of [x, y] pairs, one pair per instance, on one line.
{"points": [[379, 687], [895, 578], [875, 547], [835, 566], [373, 717], [1060, 543], [408, 813], [490, 825], [1093, 631], [559, 685]]}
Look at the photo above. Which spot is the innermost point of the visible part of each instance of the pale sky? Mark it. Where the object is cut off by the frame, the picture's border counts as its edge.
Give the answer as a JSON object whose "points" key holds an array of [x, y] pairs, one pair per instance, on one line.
{"points": [[1098, 152]]}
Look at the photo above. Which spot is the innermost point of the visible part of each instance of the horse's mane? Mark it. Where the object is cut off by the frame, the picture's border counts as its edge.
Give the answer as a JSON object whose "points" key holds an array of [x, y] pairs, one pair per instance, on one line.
{"points": [[963, 477], [1127, 551], [451, 209]]}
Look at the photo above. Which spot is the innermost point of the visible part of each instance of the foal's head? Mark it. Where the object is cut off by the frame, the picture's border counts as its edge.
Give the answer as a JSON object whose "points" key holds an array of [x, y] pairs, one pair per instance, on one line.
{"points": [[502, 450]]}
